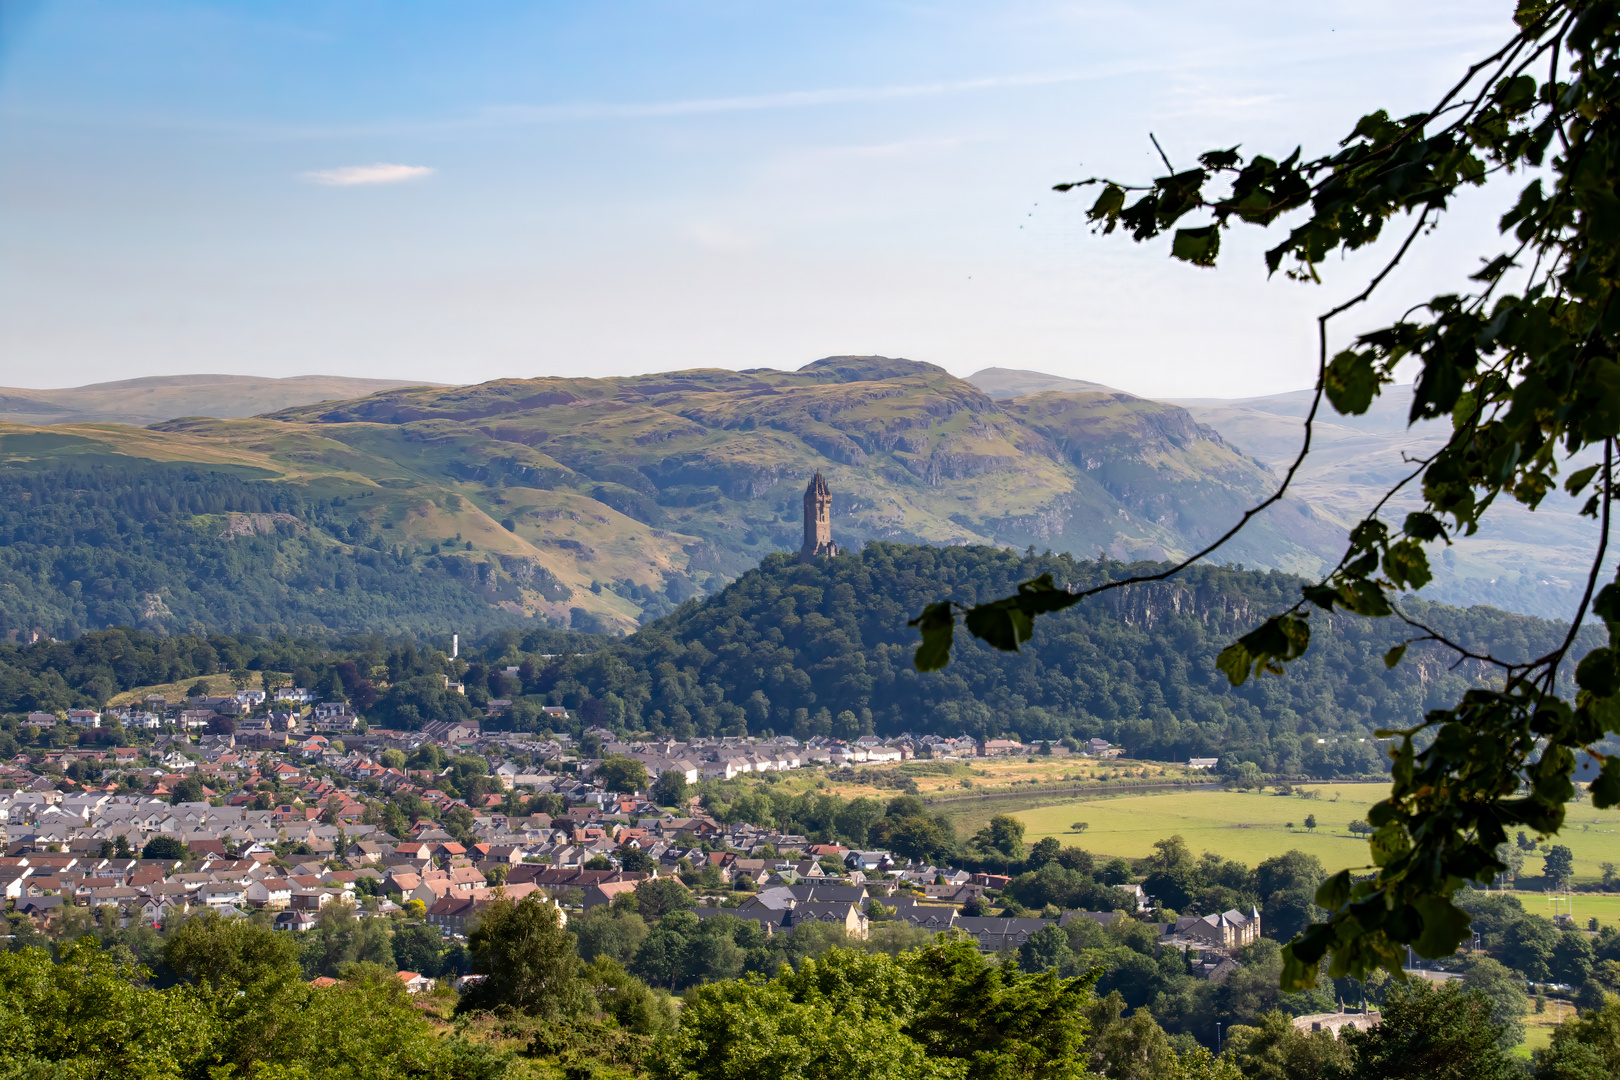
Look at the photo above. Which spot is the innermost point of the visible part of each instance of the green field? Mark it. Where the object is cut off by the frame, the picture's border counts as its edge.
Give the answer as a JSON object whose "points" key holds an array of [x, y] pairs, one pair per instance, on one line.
{"points": [[1250, 827], [1538, 1028], [1606, 906]]}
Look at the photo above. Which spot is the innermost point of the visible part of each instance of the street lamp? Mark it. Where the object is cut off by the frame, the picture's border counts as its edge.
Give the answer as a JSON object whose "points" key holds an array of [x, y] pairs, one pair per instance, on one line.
{"points": [[1217, 1036]]}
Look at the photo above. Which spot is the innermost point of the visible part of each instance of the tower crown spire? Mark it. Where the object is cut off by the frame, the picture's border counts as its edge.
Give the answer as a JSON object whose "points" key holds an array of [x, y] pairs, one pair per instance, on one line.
{"points": [[817, 520]]}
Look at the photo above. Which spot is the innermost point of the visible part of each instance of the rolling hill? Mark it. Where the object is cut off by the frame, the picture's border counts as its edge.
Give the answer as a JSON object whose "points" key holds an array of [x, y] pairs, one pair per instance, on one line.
{"points": [[1520, 561], [599, 503], [146, 401]]}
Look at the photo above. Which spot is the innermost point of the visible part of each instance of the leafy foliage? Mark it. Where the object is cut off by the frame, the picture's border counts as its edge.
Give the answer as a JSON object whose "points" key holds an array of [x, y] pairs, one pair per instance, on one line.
{"points": [[86, 1014], [1530, 382], [937, 1012], [1448, 1033], [527, 957]]}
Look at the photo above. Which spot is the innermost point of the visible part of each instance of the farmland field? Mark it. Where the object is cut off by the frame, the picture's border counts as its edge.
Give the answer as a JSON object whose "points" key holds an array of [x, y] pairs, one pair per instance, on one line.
{"points": [[1538, 1028], [1250, 827]]}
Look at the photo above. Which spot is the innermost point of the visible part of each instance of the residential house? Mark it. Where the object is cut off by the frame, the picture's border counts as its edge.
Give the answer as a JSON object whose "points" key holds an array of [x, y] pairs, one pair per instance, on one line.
{"points": [[272, 893]]}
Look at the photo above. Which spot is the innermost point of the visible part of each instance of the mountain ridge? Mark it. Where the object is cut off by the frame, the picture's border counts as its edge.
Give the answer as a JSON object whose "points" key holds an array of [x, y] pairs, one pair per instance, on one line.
{"points": [[627, 495], [153, 398], [603, 503]]}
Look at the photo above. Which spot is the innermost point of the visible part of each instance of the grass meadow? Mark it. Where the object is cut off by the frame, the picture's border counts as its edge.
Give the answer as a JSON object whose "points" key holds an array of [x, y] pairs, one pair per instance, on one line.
{"points": [[1251, 827]]}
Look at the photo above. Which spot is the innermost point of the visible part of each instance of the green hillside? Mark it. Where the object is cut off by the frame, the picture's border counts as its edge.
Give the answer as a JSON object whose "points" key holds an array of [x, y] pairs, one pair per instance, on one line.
{"points": [[1533, 562], [594, 503]]}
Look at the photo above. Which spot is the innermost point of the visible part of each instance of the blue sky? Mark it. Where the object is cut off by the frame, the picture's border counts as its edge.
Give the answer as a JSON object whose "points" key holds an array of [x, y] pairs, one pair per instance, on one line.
{"points": [[618, 187]]}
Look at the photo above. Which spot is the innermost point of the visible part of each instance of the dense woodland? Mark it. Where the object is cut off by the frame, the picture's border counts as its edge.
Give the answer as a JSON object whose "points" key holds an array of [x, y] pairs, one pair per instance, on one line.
{"points": [[824, 649], [143, 544]]}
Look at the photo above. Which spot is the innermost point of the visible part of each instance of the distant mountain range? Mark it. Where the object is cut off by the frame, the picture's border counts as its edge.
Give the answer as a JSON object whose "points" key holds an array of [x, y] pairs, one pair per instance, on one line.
{"points": [[600, 503], [1535, 563], [146, 401]]}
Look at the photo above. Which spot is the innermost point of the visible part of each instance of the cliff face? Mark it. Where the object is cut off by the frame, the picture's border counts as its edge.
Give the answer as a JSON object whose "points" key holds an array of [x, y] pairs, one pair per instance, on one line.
{"points": [[633, 493]]}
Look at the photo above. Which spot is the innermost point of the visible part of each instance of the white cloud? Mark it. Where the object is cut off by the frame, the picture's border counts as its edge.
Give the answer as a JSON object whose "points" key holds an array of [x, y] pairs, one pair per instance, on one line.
{"points": [[380, 173]]}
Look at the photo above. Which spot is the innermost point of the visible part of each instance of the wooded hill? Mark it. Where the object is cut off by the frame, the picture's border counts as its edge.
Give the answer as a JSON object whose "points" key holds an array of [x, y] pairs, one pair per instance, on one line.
{"points": [[824, 649]]}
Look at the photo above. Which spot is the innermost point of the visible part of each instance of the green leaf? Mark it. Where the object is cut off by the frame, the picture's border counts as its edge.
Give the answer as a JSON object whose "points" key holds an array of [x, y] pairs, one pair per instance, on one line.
{"points": [[1197, 246], [1323, 596], [1334, 893], [1108, 205], [1580, 478], [1406, 564], [937, 625], [1235, 662], [1394, 655], [1273, 643], [1301, 956], [1444, 926], [1002, 626], [1424, 527], [1007, 623], [1351, 382], [1606, 606], [1598, 673], [1389, 842], [1493, 269], [1365, 598], [1606, 788]]}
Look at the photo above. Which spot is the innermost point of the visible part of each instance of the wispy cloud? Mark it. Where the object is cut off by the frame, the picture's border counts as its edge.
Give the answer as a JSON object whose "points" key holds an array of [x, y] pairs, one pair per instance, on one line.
{"points": [[380, 173], [791, 99]]}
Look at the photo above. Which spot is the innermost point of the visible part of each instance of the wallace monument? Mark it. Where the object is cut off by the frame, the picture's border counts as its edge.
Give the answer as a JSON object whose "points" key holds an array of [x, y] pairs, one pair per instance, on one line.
{"points": [[817, 521]]}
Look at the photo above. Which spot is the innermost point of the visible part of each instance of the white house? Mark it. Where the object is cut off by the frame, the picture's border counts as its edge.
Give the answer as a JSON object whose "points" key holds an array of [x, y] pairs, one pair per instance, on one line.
{"points": [[272, 893]]}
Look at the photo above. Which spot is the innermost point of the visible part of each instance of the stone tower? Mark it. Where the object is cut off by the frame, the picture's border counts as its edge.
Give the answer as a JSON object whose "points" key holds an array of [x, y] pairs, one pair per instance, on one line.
{"points": [[817, 521]]}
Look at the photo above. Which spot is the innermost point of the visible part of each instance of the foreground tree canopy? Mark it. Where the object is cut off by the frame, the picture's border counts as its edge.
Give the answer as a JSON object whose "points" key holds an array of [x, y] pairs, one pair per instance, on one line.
{"points": [[1523, 365]]}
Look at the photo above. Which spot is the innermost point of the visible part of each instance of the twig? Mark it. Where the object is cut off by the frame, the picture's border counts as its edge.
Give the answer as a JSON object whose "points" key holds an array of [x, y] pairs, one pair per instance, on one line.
{"points": [[1162, 155]]}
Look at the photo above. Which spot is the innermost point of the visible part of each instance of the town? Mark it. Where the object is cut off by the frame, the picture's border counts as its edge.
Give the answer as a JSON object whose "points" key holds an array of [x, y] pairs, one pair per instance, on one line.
{"points": [[277, 804]]}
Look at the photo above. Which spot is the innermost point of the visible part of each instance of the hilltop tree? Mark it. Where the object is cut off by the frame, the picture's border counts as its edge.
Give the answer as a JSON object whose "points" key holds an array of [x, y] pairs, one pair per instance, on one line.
{"points": [[187, 790], [1586, 1047], [227, 955], [1506, 993], [418, 947], [657, 897], [528, 958], [1522, 368]]}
